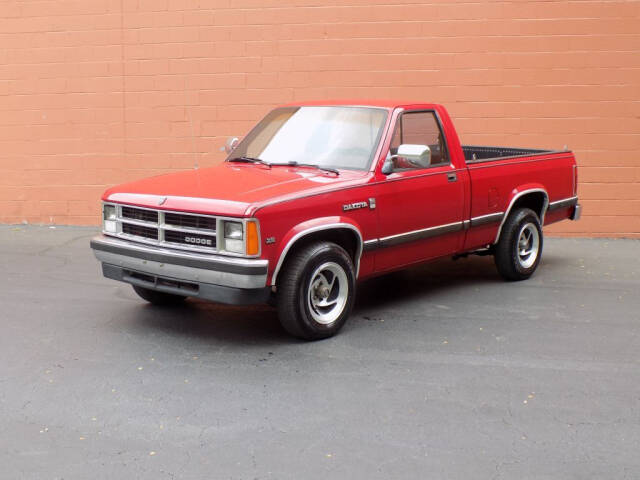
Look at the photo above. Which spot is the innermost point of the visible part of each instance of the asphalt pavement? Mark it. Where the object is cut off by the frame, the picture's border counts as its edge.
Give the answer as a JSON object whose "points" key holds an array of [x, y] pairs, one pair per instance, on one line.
{"points": [[444, 371]]}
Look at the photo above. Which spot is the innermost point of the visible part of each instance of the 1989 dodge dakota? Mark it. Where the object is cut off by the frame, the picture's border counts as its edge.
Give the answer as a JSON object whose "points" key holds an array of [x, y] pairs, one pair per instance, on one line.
{"points": [[319, 195]]}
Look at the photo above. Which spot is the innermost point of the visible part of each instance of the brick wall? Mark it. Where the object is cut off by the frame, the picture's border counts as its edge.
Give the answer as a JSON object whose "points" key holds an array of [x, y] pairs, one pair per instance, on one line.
{"points": [[97, 92]]}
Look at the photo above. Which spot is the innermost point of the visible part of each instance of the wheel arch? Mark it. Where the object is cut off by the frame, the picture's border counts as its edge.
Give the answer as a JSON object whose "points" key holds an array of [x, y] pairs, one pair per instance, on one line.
{"points": [[529, 196], [337, 229]]}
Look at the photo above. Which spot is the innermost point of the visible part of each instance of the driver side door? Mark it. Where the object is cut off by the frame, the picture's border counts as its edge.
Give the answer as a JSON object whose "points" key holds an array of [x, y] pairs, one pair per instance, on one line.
{"points": [[420, 207]]}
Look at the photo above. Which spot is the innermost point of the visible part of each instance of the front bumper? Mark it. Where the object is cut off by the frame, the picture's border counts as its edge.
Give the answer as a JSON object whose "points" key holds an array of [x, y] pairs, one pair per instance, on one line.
{"points": [[237, 281]]}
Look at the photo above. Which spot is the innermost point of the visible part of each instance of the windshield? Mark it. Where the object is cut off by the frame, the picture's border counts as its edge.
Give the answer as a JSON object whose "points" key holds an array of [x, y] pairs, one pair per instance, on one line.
{"points": [[336, 137]]}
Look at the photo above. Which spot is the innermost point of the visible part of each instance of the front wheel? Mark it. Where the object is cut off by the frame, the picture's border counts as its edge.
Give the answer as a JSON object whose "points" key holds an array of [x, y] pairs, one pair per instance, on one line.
{"points": [[316, 291], [518, 251]]}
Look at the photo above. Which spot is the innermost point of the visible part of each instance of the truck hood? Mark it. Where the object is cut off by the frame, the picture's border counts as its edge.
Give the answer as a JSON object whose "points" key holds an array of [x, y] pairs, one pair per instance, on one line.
{"points": [[233, 189]]}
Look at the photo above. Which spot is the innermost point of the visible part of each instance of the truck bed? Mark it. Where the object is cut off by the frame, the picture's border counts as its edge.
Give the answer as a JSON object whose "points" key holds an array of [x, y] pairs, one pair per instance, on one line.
{"points": [[497, 173], [478, 154]]}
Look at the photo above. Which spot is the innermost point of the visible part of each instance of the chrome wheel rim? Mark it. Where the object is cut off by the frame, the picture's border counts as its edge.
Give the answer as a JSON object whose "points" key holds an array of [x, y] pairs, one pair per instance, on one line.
{"points": [[327, 293], [528, 245]]}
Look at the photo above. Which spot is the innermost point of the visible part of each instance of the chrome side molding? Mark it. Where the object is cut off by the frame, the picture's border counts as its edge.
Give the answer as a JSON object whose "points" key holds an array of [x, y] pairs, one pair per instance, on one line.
{"points": [[565, 202], [487, 219], [420, 234]]}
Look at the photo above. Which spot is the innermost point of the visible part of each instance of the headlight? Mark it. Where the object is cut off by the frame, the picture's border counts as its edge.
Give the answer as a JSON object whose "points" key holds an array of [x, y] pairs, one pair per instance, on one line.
{"points": [[109, 218], [233, 230], [233, 237], [109, 212]]}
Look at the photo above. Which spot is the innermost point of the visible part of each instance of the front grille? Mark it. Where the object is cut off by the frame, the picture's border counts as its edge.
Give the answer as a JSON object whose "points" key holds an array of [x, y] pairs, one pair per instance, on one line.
{"points": [[190, 221], [191, 239], [176, 230], [140, 214], [140, 231]]}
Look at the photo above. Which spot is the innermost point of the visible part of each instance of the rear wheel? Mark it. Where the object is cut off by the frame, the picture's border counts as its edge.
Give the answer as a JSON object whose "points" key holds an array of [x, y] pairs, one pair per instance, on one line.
{"points": [[316, 291], [158, 298], [518, 251]]}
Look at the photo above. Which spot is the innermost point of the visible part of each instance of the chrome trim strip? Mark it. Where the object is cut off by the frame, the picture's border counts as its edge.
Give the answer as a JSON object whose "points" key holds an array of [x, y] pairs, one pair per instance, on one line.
{"points": [[414, 235], [513, 200], [133, 221], [565, 202], [319, 228], [181, 272], [161, 242], [370, 245], [486, 219], [400, 238], [170, 227]]}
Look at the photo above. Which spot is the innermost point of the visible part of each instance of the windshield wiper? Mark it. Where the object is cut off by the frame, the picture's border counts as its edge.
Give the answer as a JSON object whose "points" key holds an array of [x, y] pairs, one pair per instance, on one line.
{"points": [[293, 163], [249, 160]]}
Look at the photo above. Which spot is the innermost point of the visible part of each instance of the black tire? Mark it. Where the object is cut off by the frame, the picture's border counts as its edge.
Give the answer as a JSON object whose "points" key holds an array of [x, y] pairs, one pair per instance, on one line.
{"points": [[158, 298], [510, 255], [303, 285]]}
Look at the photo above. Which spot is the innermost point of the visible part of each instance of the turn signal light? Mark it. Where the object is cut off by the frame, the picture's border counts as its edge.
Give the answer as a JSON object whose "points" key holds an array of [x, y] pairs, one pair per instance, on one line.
{"points": [[253, 242]]}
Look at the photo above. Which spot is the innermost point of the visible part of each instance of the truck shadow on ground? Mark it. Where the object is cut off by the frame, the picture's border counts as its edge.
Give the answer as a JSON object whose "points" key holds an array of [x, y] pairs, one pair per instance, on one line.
{"points": [[259, 324], [429, 280], [425, 281]]}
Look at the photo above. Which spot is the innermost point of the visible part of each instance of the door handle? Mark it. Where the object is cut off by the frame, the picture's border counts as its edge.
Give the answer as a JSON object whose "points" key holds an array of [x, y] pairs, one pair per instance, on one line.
{"points": [[452, 177]]}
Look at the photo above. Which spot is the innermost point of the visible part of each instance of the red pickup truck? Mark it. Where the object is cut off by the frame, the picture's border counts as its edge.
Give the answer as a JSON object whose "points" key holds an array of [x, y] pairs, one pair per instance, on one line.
{"points": [[319, 195]]}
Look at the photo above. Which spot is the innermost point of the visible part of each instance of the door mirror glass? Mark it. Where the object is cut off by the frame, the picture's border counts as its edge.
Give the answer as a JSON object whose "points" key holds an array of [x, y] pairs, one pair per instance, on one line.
{"points": [[231, 144], [411, 156], [387, 166]]}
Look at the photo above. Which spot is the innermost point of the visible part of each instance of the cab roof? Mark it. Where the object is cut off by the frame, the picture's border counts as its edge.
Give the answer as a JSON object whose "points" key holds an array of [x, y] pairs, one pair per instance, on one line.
{"points": [[389, 104]]}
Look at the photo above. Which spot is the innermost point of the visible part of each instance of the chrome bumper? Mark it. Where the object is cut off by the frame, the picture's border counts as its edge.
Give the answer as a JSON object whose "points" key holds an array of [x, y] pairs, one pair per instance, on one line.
{"points": [[212, 277], [577, 212]]}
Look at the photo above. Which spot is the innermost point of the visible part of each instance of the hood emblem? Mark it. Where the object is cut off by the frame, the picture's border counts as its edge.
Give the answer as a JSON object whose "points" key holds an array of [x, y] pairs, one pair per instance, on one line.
{"points": [[162, 200]]}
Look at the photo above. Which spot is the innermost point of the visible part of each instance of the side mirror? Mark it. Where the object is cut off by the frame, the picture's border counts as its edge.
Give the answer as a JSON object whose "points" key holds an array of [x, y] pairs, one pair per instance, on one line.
{"points": [[231, 144], [387, 166], [417, 155]]}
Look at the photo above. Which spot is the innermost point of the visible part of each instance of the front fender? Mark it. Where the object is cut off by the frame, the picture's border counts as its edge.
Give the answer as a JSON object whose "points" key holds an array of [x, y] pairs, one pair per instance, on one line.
{"points": [[308, 227]]}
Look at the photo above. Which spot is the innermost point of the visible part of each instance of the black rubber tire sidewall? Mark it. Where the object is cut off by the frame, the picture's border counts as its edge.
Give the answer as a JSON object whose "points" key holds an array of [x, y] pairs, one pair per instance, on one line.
{"points": [[506, 252], [293, 309]]}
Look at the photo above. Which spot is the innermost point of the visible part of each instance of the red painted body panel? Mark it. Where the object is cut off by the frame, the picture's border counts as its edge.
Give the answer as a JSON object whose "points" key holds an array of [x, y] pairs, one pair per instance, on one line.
{"points": [[232, 183], [285, 220], [289, 201], [496, 183]]}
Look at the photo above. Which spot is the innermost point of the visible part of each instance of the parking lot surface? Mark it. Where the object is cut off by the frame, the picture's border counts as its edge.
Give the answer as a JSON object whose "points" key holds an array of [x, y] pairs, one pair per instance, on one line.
{"points": [[443, 371]]}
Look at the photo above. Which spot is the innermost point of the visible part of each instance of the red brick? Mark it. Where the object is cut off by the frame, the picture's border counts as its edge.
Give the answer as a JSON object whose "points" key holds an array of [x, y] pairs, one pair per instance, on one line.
{"points": [[530, 73]]}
